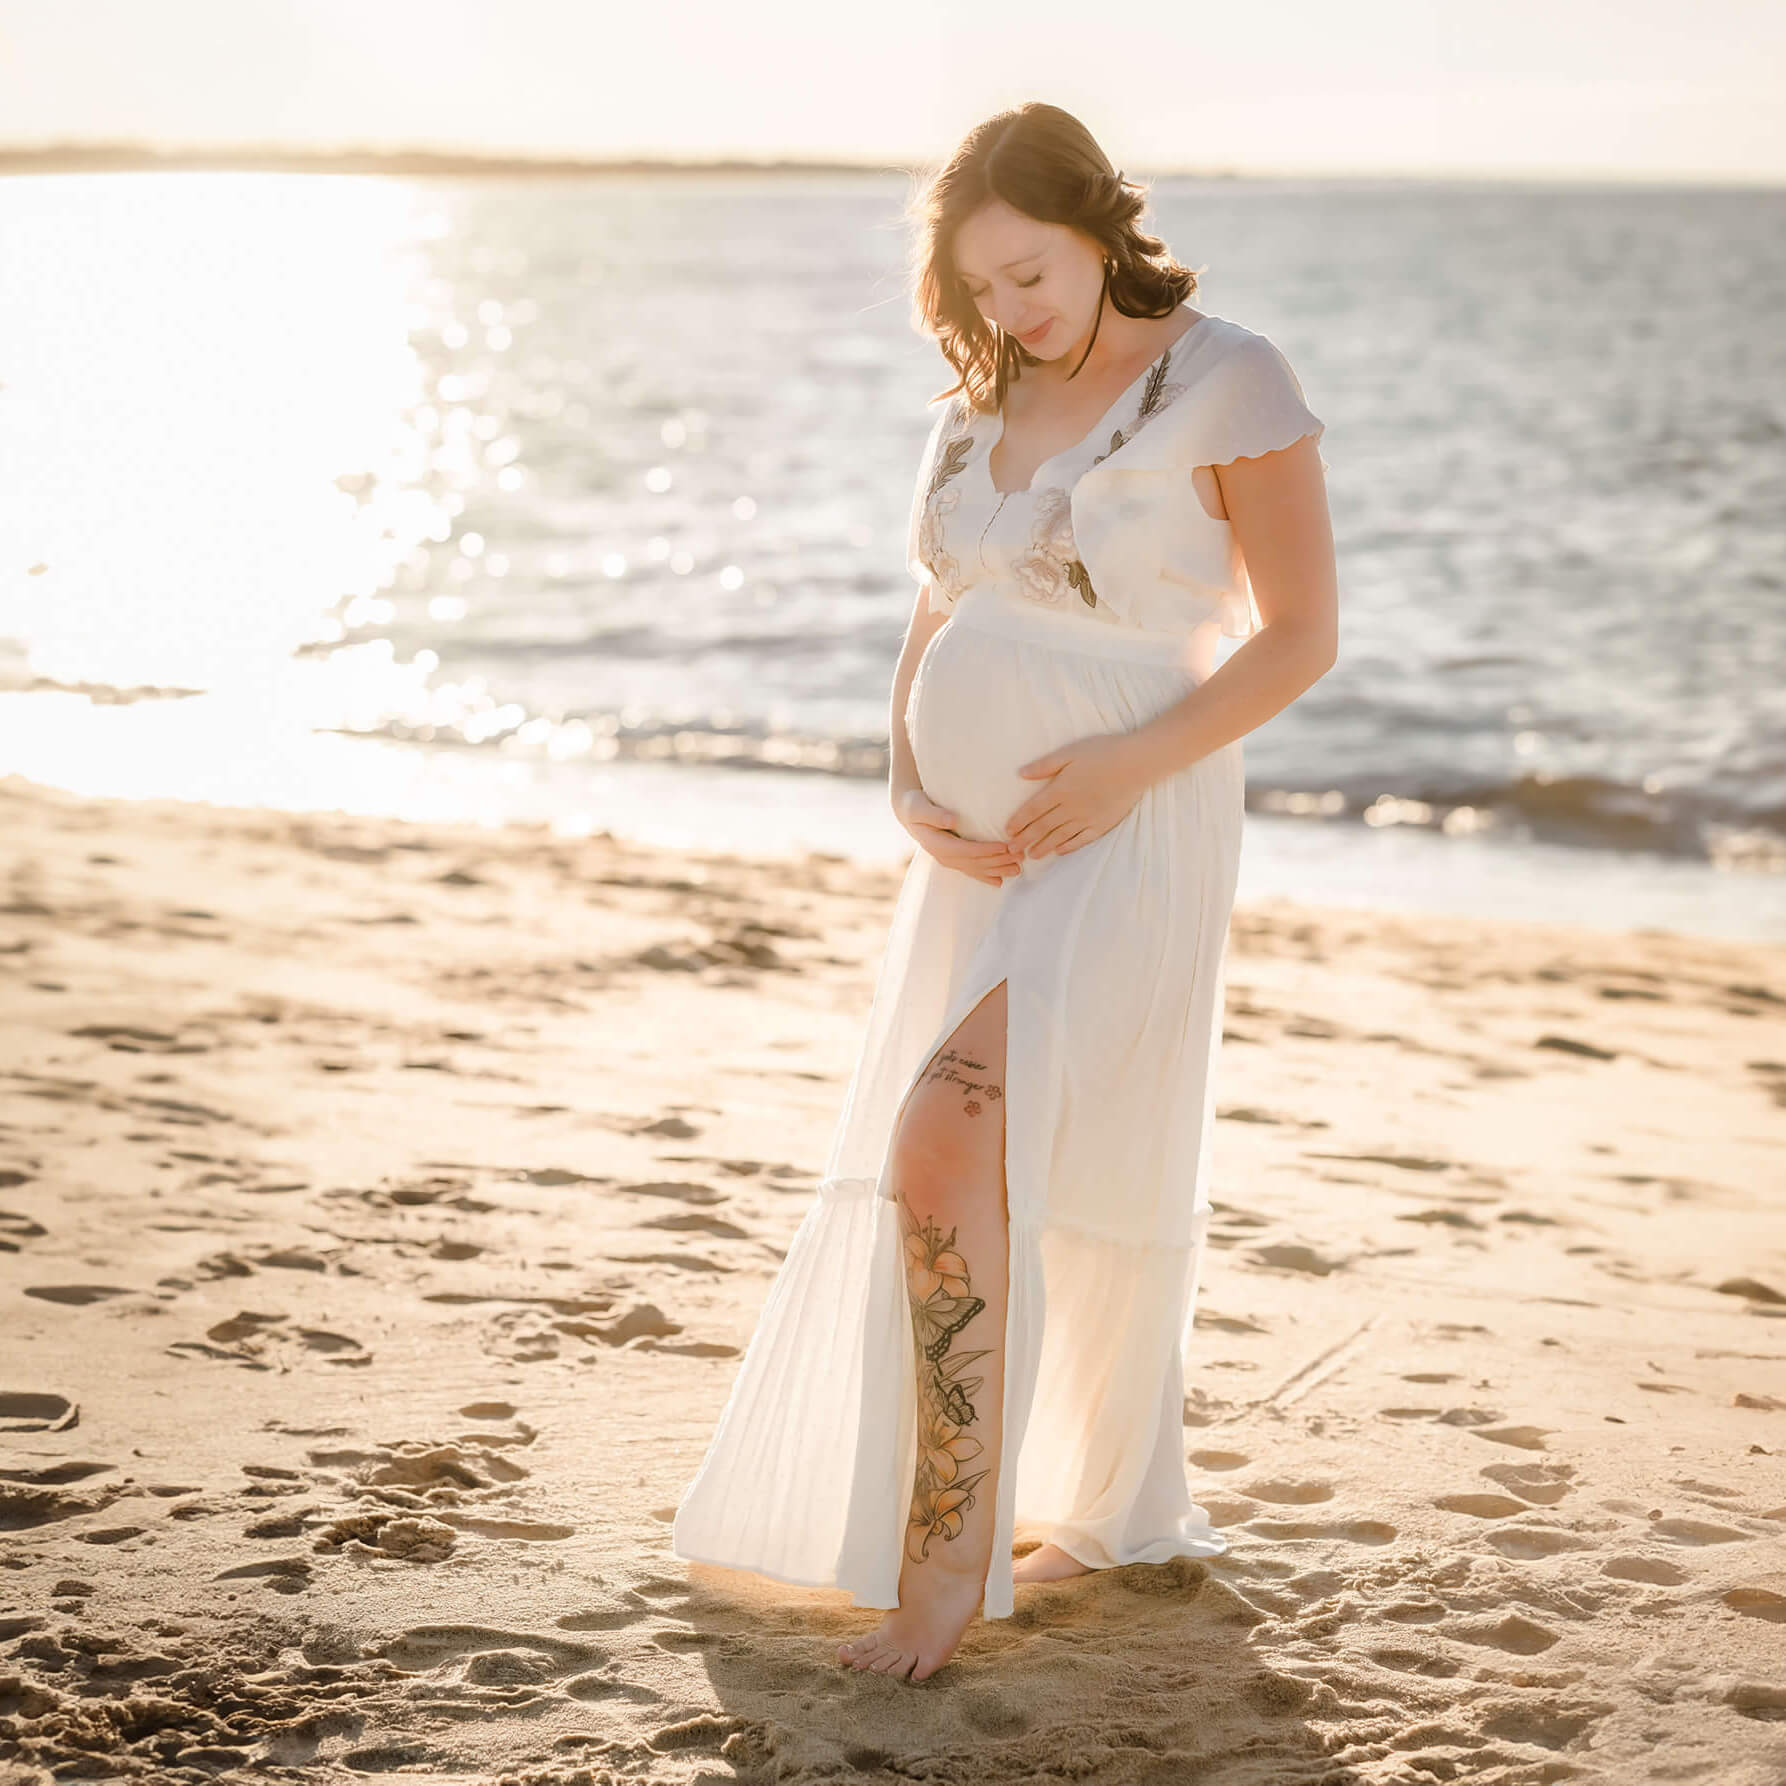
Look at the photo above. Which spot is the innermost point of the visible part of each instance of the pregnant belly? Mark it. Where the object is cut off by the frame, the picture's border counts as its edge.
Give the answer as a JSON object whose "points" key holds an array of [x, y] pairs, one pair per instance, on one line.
{"points": [[981, 705]]}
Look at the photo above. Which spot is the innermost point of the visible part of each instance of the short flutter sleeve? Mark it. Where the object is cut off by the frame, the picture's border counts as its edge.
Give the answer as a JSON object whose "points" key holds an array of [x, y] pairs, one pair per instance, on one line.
{"points": [[924, 556], [1250, 403]]}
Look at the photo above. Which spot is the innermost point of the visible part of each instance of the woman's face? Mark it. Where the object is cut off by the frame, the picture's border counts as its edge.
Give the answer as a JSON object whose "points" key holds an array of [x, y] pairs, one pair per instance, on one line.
{"points": [[1037, 281]]}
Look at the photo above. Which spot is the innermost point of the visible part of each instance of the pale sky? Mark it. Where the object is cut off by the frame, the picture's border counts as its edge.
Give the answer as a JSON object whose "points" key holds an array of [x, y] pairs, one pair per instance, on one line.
{"points": [[1623, 89]]}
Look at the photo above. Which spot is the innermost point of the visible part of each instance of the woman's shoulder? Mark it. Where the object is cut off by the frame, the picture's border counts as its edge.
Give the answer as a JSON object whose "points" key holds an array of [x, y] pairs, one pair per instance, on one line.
{"points": [[1217, 401], [1219, 339], [1240, 393]]}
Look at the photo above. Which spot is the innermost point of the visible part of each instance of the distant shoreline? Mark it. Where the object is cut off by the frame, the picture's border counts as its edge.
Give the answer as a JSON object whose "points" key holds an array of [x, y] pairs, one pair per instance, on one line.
{"points": [[134, 157], [108, 158], [84, 158]]}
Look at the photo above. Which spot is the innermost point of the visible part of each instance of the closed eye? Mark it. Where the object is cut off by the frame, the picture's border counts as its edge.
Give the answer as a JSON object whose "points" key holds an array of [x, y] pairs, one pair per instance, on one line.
{"points": [[1024, 283]]}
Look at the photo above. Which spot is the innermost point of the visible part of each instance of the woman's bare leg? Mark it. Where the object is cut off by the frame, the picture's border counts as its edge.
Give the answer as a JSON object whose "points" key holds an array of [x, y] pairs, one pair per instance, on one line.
{"points": [[947, 1159]]}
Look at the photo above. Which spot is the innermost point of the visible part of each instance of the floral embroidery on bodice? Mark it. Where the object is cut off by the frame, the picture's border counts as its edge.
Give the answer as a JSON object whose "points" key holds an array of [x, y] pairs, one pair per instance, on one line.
{"points": [[1023, 538]]}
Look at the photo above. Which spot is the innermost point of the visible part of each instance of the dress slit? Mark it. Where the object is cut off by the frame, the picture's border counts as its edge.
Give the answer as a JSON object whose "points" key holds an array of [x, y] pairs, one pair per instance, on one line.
{"points": [[1006, 1463]]}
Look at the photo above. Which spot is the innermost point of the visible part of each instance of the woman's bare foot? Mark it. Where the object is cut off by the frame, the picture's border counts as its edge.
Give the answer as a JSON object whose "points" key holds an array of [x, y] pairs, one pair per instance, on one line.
{"points": [[1049, 1563], [914, 1641]]}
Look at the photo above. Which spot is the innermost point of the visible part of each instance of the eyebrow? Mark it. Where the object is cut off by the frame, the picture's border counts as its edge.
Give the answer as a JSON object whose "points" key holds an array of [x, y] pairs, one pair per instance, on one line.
{"points": [[1034, 254]]}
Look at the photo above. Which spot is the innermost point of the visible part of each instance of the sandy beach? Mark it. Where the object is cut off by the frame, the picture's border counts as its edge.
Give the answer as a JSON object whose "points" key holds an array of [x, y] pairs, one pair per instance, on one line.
{"points": [[383, 1209]]}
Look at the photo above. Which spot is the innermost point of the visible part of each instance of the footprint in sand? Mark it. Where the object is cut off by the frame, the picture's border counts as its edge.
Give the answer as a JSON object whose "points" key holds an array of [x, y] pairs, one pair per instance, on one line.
{"points": [[1203, 1409], [23, 1411], [1232, 1216], [110, 1535], [282, 1525], [521, 1336], [1481, 1506], [652, 1588], [1645, 1569], [1431, 1663], [390, 1758], [674, 1128], [1522, 1438], [446, 1192], [1757, 1603], [690, 1348], [1516, 1635], [1295, 1494], [1444, 1416], [521, 1531], [1713, 1492], [76, 1295], [414, 1538], [26, 1504], [57, 1475], [1449, 1218], [256, 1341], [16, 1228], [1351, 1531], [1762, 1297], [285, 1575], [1294, 1256], [438, 1649], [590, 1687], [1543, 1726], [1416, 1612], [685, 1221], [1528, 1544], [1229, 1323], [676, 1261], [1220, 1460], [1758, 1700], [1543, 1485], [431, 1468], [1696, 1531], [744, 1741], [680, 1191], [644, 1323], [220, 1265], [1225, 1512]]}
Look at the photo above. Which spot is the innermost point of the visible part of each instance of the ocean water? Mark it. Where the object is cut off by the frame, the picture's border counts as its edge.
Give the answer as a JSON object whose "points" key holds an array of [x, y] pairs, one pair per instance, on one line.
{"points": [[583, 501]]}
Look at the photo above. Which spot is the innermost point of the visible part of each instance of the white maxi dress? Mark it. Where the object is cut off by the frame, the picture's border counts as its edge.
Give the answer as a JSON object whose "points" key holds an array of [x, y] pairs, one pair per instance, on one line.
{"points": [[1113, 956]]}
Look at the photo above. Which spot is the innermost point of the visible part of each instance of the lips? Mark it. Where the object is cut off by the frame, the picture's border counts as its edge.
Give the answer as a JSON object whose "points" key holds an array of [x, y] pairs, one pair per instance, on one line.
{"points": [[1035, 334]]}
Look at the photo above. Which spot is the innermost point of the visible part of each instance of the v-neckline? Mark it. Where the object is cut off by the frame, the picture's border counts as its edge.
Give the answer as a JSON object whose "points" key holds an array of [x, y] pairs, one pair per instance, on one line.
{"points": [[1116, 403]]}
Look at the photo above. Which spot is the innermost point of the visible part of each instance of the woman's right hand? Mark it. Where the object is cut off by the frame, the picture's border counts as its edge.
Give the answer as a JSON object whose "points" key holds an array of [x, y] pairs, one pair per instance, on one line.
{"points": [[931, 825]]}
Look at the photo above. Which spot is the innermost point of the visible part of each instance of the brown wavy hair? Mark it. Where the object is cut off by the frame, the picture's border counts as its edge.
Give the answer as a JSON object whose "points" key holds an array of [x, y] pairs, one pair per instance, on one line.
{"points": [[1044, 162]]}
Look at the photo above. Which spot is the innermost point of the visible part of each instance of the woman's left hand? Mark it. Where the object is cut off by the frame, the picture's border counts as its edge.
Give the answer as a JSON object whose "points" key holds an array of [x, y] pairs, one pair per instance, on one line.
{"points": [[1093, 785]]}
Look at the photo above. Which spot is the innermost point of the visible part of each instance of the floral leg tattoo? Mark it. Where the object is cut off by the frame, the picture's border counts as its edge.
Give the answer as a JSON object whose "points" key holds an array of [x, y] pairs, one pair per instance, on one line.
{"points": [[942, 1304]]}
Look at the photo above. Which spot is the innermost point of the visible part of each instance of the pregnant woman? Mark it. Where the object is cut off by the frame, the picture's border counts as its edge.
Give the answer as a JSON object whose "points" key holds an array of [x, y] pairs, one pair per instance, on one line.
{"points": [[981, 1328]]}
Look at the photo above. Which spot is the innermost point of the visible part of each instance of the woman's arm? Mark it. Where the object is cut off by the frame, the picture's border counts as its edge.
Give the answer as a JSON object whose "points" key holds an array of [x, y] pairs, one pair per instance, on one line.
{"points": [[933, 825], [1277, 508], [902, 773]]}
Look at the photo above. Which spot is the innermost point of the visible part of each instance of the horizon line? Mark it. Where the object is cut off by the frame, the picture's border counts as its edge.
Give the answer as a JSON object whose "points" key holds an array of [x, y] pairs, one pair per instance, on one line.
{"points": [[76, 155]]}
